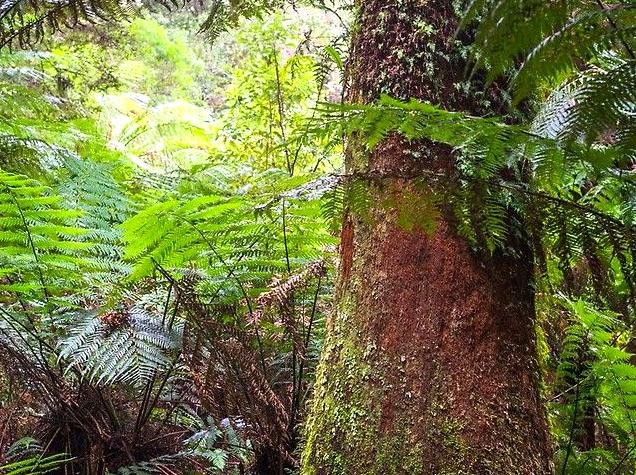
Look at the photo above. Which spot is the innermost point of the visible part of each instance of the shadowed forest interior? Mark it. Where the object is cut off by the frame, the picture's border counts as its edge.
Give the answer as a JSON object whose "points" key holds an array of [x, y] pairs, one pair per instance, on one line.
{"points": [[317, 237]]}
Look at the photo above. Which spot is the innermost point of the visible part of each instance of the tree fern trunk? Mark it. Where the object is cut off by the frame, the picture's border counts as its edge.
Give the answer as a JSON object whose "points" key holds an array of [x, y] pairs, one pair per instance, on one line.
{"points": [[429, 365]]}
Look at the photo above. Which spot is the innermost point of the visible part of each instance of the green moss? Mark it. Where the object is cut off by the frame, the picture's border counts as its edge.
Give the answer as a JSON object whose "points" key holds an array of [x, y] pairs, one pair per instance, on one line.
{"points": [[416, 208], [397, 453], [341, 432]]}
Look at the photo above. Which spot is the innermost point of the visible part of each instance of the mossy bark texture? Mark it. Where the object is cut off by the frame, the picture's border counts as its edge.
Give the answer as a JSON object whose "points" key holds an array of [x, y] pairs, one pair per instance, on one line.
{"points": [[429, 365]]}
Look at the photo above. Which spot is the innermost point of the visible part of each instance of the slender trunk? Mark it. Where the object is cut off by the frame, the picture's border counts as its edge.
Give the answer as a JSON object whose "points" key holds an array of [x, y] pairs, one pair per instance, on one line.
{"points": [[429, 365]]}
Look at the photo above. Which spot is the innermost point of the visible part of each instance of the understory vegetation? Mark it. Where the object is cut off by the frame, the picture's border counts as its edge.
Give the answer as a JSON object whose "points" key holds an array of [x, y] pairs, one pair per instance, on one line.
{"points": [[171, 196]]}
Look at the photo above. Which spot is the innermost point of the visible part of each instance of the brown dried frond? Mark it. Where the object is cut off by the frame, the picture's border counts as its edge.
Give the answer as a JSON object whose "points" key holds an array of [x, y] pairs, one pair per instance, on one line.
{"points": [[281, 292], [230, 371], [114, 318]]}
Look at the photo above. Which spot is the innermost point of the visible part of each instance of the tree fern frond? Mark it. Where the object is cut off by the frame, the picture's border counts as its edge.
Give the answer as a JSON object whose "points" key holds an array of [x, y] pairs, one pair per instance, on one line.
{"points": [[226, 14], [550, 37], [128, 346], [44, 252], [26, 23]]}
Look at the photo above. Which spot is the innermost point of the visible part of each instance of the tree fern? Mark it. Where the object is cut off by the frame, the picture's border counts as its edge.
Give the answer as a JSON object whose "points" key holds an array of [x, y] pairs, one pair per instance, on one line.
{"points": [[127, 345]]}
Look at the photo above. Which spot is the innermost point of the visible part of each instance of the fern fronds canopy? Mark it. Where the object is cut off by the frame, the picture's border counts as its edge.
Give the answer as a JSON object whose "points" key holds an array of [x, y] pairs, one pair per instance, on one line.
{"points": [[550, 38]]}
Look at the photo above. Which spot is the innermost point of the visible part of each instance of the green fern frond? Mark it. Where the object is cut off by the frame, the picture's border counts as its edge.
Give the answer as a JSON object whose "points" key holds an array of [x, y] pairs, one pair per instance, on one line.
{"points": [[595, 373], [247, 236], [40, 247], [550, 37], [91, 188], [488, 151], [126, 346], [26, 457], [26, 23]]}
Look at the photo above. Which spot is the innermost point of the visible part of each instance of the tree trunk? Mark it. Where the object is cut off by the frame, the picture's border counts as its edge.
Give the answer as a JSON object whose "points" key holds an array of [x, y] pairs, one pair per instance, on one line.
{"points": [[429, 365]]}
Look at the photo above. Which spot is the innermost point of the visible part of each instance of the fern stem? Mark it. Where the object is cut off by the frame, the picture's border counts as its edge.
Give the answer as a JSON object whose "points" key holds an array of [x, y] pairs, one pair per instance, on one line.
{"points": [[568, 450], [166, 306], [281, 111], [239, 283], [149, 408], [285, 244]]}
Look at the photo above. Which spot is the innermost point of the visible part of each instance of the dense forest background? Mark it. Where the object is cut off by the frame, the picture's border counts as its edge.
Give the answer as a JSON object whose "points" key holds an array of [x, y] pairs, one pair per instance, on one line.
{"points": [[198, 269]]}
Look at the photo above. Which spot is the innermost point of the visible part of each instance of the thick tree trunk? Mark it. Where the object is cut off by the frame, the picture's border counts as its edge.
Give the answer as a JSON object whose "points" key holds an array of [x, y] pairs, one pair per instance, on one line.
{"points": [[429, 365]]}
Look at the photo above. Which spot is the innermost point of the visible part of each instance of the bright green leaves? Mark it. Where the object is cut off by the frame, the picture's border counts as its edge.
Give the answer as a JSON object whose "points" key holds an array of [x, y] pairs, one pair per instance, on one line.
{"points": [[250, 235], [483, 215], [161, 61], [40, 251], [176, 233], [54, 242], [271, 96], [578, 57], [594, 374], [92, 188]]}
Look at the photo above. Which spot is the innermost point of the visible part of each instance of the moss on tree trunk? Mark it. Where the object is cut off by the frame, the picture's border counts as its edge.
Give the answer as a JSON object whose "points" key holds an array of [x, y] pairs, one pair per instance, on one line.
{"points": [[429, 365]]}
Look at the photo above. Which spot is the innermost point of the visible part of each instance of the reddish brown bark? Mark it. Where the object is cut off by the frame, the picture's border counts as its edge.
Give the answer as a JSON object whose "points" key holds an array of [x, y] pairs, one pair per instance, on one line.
{"points": [[429, 366]]}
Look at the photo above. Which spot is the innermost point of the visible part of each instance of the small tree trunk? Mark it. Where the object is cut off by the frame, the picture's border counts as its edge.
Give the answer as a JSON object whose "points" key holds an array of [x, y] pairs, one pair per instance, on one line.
{"points": [[429, 365]]}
